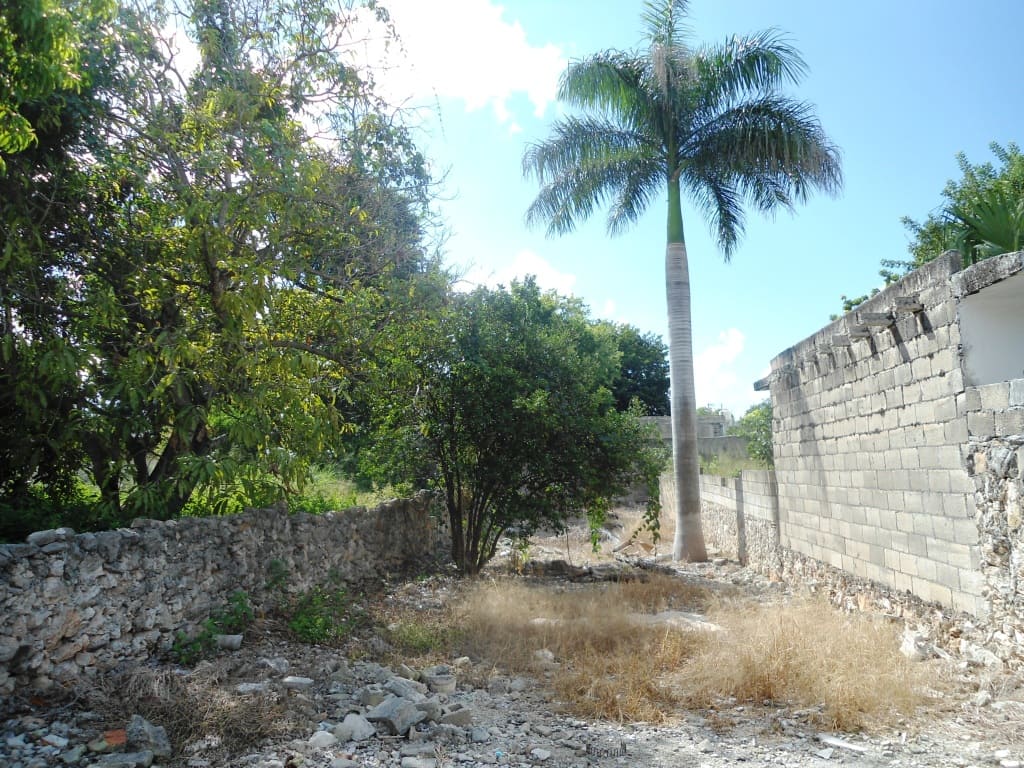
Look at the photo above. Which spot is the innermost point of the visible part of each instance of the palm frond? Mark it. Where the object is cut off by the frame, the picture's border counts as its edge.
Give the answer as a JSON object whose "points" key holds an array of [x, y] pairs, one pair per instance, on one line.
{"points": [[588, 162], [610, 83], [665, 24], [990, 225], [743, 68], [716, 196], [645, 181], [774, 147]]}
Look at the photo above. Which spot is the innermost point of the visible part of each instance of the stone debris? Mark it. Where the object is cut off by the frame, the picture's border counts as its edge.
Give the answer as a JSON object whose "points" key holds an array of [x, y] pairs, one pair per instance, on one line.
{"points": [[361, 714], [142, 735], [297, 683]]}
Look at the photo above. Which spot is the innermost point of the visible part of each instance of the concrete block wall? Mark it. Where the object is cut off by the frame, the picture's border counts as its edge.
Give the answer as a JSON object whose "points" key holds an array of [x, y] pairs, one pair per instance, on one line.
{"points": [[869, 424], [739, 515]]}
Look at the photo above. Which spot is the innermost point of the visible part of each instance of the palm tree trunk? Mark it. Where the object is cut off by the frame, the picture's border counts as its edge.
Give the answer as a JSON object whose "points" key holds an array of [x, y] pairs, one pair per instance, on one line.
{"points": [[689, 539]]}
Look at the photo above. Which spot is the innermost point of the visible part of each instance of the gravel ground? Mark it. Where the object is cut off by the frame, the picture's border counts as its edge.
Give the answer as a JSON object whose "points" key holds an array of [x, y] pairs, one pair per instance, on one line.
{"points": [[976, 721]]}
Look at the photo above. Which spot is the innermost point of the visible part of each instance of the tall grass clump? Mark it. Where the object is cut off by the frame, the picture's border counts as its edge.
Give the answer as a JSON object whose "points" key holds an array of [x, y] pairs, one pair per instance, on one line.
{"points": [[611, 664]]}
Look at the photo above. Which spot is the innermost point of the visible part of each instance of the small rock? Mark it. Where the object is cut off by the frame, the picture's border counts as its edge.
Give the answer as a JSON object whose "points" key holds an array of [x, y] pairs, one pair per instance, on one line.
{"points": [[540, 755], [419, 762], [297, 683], [74, 755], [54, 740], [126, 760], [278, 663], [915, 646], [344, 762], [432, 708], [705, 746], [142, 735], [825, 754], [544, 655], [520, 684], [1009, 763], [982, 698], [406, 689], [372, 695], [458, 715], [228, 642], [246, 688], [404, 670], [479, 735], [354, 728], [397, 714], [322, 740]]}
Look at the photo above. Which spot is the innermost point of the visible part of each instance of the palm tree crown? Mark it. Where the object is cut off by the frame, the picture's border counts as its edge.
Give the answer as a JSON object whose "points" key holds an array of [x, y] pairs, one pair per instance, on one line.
{"points": [[711, 120]]}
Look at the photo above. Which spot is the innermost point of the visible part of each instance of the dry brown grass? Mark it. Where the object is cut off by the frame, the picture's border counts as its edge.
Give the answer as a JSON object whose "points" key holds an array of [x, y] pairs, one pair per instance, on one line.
{"points": [[806, 653], [610, 666], [192, 706]]}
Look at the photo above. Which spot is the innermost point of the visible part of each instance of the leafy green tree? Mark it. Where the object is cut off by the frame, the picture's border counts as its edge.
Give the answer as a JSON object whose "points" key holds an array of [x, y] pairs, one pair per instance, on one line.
{"points": [[212, 276], [643, 370], [982, 216], [40, 58], [755, 427], [983, 213], [711, 121], [505, 408]]}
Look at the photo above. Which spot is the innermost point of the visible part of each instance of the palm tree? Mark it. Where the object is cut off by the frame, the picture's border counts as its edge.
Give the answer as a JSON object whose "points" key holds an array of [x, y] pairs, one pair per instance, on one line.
{"points": [[711, 120]]}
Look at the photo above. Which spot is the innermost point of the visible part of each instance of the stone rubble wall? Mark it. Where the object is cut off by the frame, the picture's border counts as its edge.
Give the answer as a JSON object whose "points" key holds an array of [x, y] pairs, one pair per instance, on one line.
{"points": [[868, 436], [72, 604], [994, 456]]}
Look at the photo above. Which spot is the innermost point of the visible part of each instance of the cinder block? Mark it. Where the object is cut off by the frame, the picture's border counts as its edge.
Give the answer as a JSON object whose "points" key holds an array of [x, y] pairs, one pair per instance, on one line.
{"points": [[892, 559], [908, 564], [1010, 422], [939, 483], [921, 368], [981, 424], [995, 397], [918, 545], [944, 359], [1016, 393], [954, 432], [929, 590]]}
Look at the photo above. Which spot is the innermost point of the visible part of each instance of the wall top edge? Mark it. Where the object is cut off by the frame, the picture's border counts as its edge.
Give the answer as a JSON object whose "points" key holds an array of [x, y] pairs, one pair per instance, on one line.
{"points": [[930, 275], [979, 276]]}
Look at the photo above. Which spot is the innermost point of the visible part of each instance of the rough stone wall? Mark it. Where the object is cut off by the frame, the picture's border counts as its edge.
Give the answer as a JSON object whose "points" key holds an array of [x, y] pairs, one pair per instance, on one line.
{"points": [[994, 457], [72, 604], [869, 424]]}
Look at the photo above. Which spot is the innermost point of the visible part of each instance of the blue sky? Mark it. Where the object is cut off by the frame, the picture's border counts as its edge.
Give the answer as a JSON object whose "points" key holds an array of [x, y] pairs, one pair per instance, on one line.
{"points": [[900, 86]]}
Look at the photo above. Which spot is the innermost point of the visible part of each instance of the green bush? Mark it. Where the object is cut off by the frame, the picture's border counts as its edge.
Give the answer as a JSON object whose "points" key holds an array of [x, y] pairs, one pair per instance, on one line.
{"points": [[233, 619], [324, 616]]}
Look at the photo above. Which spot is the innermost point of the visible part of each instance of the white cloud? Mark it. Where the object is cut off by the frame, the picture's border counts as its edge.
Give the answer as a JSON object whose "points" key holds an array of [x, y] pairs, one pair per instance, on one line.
{"points": [[608, 310], [468, 52], [716, 378], [524, 263]]}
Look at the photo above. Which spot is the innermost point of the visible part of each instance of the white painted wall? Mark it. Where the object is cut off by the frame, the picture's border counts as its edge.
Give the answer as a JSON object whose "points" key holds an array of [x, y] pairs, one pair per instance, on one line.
{"points": [[992, 332]]}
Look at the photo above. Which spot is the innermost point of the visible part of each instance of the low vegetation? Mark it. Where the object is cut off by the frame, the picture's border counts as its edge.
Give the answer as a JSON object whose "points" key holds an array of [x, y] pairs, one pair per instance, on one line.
{"points": [[613, 665]]}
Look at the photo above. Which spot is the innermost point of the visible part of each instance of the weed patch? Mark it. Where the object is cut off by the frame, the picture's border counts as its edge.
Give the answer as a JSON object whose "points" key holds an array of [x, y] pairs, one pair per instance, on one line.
{"points": [[233, 619], [324, 616], [610, 665], [809, 654]]}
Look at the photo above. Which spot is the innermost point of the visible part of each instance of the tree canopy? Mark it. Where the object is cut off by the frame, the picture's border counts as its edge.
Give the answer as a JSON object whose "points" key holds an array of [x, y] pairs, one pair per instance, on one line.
{"points": [[506, 408], [189, 280]]}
